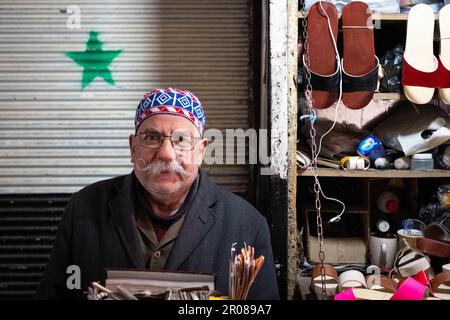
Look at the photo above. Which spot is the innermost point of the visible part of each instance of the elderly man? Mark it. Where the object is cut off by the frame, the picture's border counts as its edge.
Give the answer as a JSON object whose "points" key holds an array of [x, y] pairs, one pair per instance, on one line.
{"points": [[166, 214]]}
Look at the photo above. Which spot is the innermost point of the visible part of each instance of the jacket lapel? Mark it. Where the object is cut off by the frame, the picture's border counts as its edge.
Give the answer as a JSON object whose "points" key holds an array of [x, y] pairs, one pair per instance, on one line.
{"points": [[123, 213], [198, 221]]}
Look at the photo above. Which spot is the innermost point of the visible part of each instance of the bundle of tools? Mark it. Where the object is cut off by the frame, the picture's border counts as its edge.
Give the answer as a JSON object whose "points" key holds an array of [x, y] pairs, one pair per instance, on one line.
{"points": [[243, 271]]}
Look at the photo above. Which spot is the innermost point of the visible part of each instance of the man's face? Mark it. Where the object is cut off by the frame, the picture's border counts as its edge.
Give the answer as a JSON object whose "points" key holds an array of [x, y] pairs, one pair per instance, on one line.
{"points": [[166, 171]]}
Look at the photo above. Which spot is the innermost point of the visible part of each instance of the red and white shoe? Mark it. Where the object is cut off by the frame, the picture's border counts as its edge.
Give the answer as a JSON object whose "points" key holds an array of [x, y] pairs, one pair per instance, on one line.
{"points": [[444, 57], [420, 66]]}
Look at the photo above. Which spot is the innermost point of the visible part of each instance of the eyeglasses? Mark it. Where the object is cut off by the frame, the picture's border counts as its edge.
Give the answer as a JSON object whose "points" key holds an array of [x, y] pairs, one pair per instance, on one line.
{"points": [[179, 141]]}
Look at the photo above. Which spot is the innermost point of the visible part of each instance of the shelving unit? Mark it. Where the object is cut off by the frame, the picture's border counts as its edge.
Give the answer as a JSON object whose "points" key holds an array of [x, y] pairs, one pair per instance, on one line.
{"points": [[372, 178]]}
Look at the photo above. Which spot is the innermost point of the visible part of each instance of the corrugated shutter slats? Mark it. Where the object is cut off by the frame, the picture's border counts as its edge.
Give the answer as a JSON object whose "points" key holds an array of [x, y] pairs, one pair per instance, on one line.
{"points": [[51, 131], [27, 231]]}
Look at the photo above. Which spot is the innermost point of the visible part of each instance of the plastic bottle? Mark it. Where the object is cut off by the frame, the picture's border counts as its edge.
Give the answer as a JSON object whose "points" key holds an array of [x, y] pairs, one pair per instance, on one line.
{"points": [[402, 163], [383, 163], [387, 202]]}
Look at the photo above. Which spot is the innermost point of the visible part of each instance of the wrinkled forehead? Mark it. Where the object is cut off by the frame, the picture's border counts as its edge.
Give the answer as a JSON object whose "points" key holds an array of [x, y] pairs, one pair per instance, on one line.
{"points": [[167, 124]]}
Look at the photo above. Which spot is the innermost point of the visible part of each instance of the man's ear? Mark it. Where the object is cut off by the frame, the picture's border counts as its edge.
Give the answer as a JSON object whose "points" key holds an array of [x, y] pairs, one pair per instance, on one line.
{"points": [[132, 147], [204, 144], [201, 149]]}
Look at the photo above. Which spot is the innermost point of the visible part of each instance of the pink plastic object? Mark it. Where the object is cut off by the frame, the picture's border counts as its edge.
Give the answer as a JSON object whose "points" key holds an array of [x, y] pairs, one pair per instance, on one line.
{"points": [[345, 295], [411, 289]]}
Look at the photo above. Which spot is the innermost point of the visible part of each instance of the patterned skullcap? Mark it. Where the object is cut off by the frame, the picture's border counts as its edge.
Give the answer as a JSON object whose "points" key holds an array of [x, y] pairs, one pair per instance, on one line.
{"points": [[172, 101]]}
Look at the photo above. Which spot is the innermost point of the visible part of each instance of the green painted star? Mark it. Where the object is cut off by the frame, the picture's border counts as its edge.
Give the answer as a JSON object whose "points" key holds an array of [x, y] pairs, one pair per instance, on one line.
{"points": [[94, 60]]}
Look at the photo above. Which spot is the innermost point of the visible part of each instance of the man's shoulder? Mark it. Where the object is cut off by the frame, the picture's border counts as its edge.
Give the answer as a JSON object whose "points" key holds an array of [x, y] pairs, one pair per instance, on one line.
{"points": [[233, 204], [107, 186]]}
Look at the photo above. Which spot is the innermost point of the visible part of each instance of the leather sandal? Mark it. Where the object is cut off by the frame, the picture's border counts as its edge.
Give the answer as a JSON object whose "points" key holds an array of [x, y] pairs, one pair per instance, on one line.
{"points": [[351, 279], [419, 74], [436, 240], [444, 58], [331, 281], [409, 261], [439, 230], [381, 283], [323, 64], [434, 248], [410, 289], [359, 64], [440, 285], [363, 294]]}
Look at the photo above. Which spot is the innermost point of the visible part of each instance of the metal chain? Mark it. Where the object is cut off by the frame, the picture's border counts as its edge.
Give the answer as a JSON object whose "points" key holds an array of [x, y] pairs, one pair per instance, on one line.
{"points": [[314, 150]]}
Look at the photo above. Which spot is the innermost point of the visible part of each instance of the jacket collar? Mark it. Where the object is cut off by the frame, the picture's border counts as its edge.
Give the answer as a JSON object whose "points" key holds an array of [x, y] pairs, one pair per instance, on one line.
{"points": [[198, 221]]}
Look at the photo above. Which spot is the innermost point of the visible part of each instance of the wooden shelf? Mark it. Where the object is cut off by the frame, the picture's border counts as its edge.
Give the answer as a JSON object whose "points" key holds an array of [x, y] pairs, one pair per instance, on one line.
{"points": [[373, 173], [383, 96], [394, 96], [376, 96], [381, 16], [387, 96], [336, 208]]}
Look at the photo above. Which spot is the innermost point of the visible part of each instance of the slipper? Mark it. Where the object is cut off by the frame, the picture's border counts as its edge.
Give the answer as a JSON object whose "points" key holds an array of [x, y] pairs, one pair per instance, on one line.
{"points": [[419, 75], [446, 267], [434, 248], [359, 64], [362, 294], [444, 57], [345, 295], [409, 262], [351, 279], [331, 281], [439, 230], [322, 63], [410, 289], [370, 294], [381, 283], [440, 285]]}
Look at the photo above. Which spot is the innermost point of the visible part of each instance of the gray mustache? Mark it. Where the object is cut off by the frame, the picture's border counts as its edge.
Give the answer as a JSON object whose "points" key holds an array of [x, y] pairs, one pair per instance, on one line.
{"points": [[157, 167]]}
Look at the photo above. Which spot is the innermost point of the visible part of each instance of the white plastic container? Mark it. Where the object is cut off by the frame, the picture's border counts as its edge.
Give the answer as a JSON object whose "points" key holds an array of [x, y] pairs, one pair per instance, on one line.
{"points": [[422, 161]]}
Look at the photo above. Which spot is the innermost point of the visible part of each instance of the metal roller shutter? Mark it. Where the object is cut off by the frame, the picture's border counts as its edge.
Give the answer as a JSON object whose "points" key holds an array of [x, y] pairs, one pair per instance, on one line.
{"points": [[56, 137], [27, 231]]}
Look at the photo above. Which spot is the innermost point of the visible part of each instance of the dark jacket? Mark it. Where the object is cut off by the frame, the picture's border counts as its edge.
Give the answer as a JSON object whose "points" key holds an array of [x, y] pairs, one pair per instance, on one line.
{"points": [[98, 231]]}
